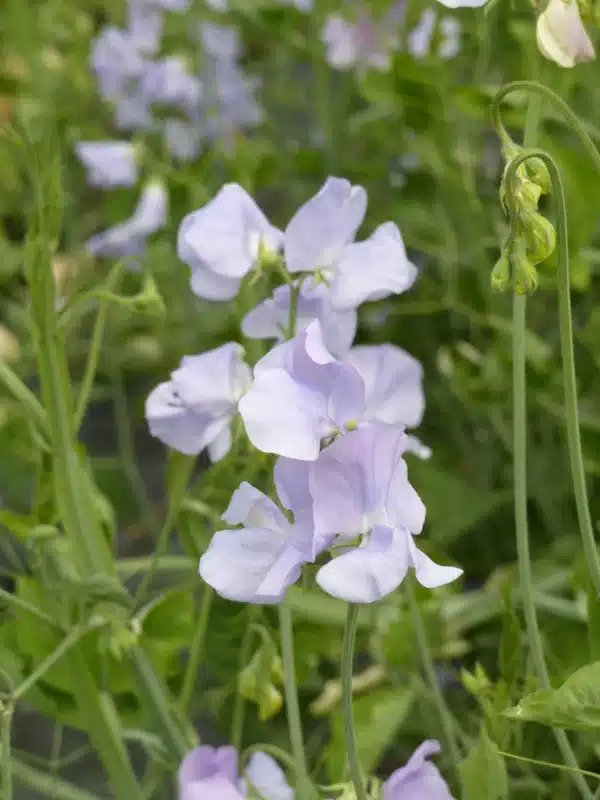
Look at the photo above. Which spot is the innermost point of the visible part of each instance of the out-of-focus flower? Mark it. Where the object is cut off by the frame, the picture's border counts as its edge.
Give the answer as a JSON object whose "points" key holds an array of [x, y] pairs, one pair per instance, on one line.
{"points": [[463, 3], [257, 563], [418, 779], [270, 319], [169, 81], [145, 24], [129, 238], [223, 241], [299, 396], [368, 42], [209, 773], [183, 139], [360, 488], [116, 62], [220, 41], [109, 164], [194, 410], [320, 238], [561, 34]]}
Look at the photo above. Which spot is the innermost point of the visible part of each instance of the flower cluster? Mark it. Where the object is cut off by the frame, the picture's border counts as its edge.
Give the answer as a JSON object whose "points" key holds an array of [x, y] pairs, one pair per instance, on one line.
{"points": [[335, 415], [213, 773], [165, 95]]}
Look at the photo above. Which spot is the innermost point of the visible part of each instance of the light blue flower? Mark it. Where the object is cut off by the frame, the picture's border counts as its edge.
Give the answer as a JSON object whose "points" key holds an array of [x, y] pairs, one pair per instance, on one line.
{"points": [[109, 164], [418, 779], [194, 410], [222, 242], [129, 238]]}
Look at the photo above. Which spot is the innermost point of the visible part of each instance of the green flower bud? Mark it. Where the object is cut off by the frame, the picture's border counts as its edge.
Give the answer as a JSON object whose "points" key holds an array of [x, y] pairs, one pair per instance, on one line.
{"points": [[500, 278], [540, 237], [537, 171], [525, 277]]}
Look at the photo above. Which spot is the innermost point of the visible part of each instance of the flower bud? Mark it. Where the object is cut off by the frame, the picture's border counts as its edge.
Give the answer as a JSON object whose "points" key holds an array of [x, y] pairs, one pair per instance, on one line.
{"points": [[525, 278], [500, 278], [561, 34], [537, 172], [540, 237]]}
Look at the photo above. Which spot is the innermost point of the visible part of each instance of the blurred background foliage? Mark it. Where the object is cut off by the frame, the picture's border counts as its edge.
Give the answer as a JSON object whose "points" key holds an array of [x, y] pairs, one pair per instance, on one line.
{"points": [[418, 138]]}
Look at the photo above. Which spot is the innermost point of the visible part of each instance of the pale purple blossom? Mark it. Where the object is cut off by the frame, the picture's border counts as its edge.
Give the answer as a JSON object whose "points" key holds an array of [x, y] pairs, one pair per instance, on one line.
{"points": [[320, 238], [257, 563], [270, 319], [116, 62], [223, 241], [133, 113], [300, 395], [109, 164], [169, 81], [463, 3], [418, 779], [145, 25], [194, 410], [222, 42], [360, 488], [129, 237], [209, 773], [368, 42], [183, 139]]}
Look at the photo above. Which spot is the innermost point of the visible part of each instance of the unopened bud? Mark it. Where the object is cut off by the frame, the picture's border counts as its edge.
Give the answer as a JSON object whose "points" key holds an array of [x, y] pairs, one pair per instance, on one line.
{"points": [[525, 278], [500, 278], [540, 237], [537, 172]]}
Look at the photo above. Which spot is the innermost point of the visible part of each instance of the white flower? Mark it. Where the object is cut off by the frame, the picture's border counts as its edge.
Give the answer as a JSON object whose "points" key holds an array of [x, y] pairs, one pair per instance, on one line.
{"points": [[561, 35]]}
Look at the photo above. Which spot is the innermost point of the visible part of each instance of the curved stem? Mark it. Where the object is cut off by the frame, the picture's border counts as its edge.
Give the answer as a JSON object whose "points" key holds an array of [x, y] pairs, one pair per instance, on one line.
{"points": [[303, 784], [568, 357], [349, 735], [432, 678], [523, 555], [543, 91]]}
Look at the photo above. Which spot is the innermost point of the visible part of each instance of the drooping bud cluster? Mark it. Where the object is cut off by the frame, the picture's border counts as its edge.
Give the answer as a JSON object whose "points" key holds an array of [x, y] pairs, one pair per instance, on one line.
{"points": [[532, 238]]}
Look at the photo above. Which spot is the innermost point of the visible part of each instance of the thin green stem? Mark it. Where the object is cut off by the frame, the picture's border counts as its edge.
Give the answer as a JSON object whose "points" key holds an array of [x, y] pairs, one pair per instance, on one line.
{"points": [[549, 764], [24, 396], [432, 677], [523, 554], [96, 345], [73, 638], [239, 705], [48, 785], [568, 357], [542, 91], [196, 650], [349, 734], [290, 687], [6, 713], [23, 605]]}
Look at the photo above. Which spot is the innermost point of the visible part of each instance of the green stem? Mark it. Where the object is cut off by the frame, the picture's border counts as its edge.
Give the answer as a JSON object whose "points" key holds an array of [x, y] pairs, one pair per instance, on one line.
{"points": [[6, 713], [73, 638], [286, 633], [523, 555], [568, 357], [239, 706], [23, 605], [542, 91], [96, 345], [432, 678], [24, 396], [349, 735], [48, 785], [549, 764], [196, 650]]}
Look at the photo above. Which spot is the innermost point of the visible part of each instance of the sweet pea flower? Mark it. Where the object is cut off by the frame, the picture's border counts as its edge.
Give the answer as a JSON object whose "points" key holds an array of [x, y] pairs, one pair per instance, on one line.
{"points": [[183, 139], [194, 410], [209, 773], [223, 241], [418, 779], [109, 164], [368, 42], [270, 319], [320, 238], [299, 396], [129, 238], [360, 488], [561, 34], [145, 24], [257, 563], [393, 382], [116, 62], [169, 81], [463, 3]]}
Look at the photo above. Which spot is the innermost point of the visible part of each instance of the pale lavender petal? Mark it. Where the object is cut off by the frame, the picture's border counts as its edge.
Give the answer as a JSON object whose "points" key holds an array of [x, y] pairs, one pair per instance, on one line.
{"points": [[393, 382], [220, 41], [463, 3], [145, 25], [249, 506], [366, 574], [238, 562], [225, 235], [207, 762], [419, 40], [109, 164], [183, 139], [214, 381], [321, 227], [430, 574], [340, 38], [281, 416], [372, 269], [170, 81], [220, 445], [450, 44], [267, 778], [418, 779], [210, 286], [291, 481], [176, 425], [216, 788]]}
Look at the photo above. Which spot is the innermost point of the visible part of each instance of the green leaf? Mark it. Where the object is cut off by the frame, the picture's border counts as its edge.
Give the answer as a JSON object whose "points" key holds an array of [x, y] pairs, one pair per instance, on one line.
{"points": [[169, 616], [483, 771], [574, 705], [509, 657], [378, 717], [452, 505], [18, 524]]}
